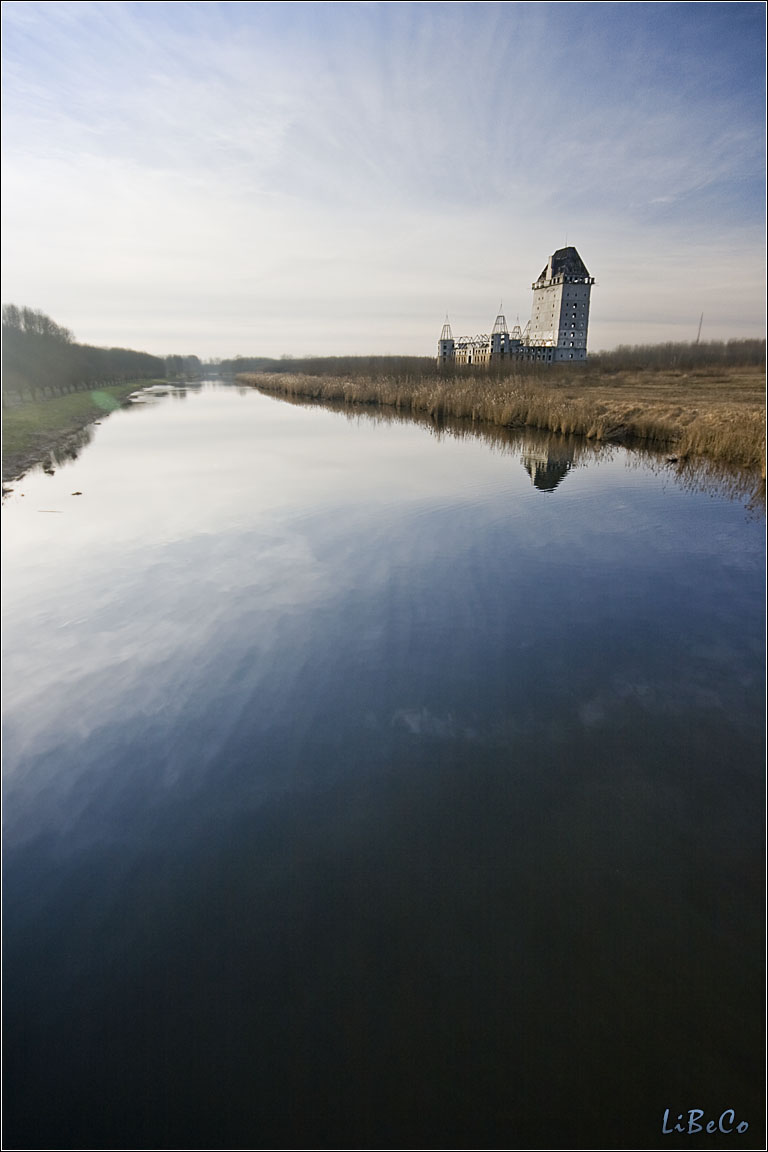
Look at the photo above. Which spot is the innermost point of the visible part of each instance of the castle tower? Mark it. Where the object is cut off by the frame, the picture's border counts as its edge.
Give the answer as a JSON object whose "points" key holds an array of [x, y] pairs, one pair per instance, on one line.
{"points": [[560, 312], [446, 345]]}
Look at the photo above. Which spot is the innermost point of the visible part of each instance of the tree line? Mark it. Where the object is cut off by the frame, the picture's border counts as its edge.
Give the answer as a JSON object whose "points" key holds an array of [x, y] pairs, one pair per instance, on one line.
{"points": [[41, 358], [183, 368], [372, 367], [709, 354], [651, 357]]}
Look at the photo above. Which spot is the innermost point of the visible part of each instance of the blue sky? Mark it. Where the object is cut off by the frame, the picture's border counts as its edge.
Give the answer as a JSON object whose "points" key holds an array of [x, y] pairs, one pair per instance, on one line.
{"points": [[237, 178]]}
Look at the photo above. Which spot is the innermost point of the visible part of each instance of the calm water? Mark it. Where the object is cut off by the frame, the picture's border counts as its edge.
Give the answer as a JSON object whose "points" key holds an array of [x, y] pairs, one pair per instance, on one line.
{"points": [[367, 787]]}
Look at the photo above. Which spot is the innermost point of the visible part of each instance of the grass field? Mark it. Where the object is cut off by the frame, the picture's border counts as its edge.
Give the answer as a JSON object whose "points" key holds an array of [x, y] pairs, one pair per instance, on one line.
{"points": [[38, 430], [713, 412]]}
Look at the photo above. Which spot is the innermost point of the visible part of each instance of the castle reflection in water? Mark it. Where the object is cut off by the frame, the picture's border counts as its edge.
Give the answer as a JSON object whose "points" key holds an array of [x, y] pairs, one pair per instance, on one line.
{"points": [[549, 465]]}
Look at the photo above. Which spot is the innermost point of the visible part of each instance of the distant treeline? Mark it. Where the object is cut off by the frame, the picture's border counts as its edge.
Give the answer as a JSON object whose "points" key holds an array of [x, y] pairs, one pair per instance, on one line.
{"points": [[372, 367], [662, 357], [731, 353], [40, 358], [183, 367]]}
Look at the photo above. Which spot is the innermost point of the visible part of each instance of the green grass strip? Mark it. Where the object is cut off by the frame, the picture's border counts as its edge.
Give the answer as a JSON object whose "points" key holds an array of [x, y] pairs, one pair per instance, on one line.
{"points": [[33, 429]]}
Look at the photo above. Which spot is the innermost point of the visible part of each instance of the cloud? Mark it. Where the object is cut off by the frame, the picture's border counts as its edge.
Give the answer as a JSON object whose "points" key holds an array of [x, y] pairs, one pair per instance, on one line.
{"points": [[375, 162]]}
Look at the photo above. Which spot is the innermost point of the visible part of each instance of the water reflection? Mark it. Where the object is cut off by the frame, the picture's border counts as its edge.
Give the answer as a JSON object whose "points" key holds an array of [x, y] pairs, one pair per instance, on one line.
{"points": [[710, 476], [548, 466], [358, 794], [66, 450], [548, 457], [157, 392]]}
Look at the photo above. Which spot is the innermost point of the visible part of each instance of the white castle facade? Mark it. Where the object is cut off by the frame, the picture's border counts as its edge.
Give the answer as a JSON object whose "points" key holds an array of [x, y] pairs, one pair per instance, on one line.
{"points": [[557, 329]]}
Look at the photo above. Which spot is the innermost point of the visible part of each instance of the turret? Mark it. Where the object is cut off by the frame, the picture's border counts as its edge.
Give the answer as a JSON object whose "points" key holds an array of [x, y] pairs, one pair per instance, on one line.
{"points": [[499, 338], [446, 345]]}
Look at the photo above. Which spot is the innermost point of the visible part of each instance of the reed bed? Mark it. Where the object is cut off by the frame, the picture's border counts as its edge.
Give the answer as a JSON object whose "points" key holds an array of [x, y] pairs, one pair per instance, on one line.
{"points": [[718, 413]]}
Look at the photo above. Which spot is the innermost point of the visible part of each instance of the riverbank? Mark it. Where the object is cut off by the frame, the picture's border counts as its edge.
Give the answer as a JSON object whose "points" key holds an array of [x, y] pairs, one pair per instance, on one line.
{"points": [[717, 412], [42, 431]]}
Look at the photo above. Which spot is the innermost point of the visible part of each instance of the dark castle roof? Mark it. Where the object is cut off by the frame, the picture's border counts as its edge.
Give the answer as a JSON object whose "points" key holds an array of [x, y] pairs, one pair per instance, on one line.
{"points": [[564, 262]]}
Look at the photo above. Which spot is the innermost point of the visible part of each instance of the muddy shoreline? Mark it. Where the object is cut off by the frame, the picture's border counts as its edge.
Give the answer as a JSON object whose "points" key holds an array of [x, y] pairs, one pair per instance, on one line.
{"points": [[49, 452], [52, 431]]}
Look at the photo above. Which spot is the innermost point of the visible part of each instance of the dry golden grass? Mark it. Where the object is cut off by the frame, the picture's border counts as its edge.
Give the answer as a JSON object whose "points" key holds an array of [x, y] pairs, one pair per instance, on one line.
{"points": [[716, 412]]}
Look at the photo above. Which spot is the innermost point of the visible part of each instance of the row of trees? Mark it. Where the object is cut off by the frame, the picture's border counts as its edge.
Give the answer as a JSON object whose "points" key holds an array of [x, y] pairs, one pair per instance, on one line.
{"points": [[731, 353], [372, 367], [40, 358], [183, 368], [32, 322], [709, 354]]}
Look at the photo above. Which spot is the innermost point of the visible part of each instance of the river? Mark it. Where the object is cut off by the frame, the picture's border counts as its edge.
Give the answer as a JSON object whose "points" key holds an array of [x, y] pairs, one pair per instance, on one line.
{"points": [[373, 785]]}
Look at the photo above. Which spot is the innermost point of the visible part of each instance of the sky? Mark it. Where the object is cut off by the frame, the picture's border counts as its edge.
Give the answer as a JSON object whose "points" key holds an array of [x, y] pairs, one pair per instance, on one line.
{"points": [[226, 179]]}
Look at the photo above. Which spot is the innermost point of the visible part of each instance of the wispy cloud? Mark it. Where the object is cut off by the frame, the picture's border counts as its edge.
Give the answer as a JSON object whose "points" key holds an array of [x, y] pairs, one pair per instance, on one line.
{"points": [[232, 166]]}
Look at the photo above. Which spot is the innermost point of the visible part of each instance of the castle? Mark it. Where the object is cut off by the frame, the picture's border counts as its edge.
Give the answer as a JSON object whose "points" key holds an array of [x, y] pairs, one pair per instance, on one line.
{"points": [[556, 331]]}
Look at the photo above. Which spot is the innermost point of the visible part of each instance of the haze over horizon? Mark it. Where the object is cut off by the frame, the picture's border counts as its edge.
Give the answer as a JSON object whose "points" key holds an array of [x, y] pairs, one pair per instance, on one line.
{"points": [[323, 178]]}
